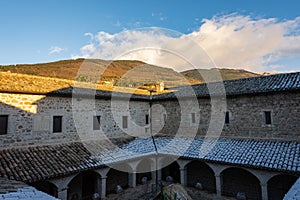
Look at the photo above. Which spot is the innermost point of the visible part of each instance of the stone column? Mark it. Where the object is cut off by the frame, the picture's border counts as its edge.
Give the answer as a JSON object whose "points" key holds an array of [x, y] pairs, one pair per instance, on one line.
{"points": [[153, 176], [182, 167], [98, 186], [264, 191], [159, 174], [62, 193], [132, 175], [218, 186], [263, 178], [183, 176], [103, 187], [132, 179], [102, 172], [62, 186]]}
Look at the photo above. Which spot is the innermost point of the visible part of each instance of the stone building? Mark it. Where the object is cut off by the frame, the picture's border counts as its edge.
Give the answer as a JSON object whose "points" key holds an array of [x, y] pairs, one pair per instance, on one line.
{"points": [[73, 142]]}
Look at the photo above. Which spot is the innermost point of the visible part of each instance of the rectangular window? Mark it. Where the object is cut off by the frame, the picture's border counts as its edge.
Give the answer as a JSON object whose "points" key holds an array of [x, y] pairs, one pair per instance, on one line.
{"points": [[226, 117], [125, 121], [96, 123], [165, 118], [193, 118], [57, 124], [3, 124], [147, 119], [268, 118]]}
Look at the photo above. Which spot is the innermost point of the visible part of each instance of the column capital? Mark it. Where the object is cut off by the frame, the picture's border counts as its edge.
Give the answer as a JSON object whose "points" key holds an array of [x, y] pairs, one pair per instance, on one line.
{"points": [[182, 163], [103, 177], [182, 168], [103, 171], [62, 189], [264, 190], [62, 194], [264, 184]]}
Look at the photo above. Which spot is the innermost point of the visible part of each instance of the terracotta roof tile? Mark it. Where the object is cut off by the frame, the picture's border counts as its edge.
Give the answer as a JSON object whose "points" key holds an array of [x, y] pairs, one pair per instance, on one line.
{"points": [[39, 162], [35, 163], [254, 85]]}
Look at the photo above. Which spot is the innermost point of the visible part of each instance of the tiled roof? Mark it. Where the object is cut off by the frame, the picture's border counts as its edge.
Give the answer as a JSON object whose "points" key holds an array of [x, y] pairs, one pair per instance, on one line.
{"points": [[42, 162], [30, 164], [262, 154], [12, 190], [254, 85], [103, 94], [294, 192]]}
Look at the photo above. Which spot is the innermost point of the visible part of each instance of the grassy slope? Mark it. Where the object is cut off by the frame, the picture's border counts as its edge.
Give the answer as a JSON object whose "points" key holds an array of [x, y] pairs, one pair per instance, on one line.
{"points": [[226, 74], [129, 71]]}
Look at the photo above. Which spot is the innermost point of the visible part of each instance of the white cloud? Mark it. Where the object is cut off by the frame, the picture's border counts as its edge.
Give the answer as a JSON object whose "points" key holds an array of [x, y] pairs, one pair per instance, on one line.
{"points": [[87, 50], [233, 41], [89, 35], [55, 49]]}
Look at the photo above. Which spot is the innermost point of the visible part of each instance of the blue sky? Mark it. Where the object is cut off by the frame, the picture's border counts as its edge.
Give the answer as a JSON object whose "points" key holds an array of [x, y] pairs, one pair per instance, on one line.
{"points": [[35, 31]]}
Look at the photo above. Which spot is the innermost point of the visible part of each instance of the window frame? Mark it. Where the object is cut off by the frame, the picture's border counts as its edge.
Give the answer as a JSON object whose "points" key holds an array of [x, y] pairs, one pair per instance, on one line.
{"points": [[5, 132], [165, 117], [54, 130], [124, 119], [147, 119], [193, 118], [227, 117], [96, 126], [268, 117]]}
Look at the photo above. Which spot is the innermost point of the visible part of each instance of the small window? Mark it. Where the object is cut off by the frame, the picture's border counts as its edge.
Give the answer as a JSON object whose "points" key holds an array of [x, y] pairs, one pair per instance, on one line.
{"points": [[96, 123], [147, 119], [193, 118], [125, 122], [57, 124], [165, 118], [226, 117], [3, 124], [268, 118]]}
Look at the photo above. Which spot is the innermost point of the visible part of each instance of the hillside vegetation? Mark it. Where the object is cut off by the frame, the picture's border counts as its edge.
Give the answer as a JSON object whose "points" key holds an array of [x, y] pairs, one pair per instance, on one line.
{"points": [[127, 73], [226, 74]]}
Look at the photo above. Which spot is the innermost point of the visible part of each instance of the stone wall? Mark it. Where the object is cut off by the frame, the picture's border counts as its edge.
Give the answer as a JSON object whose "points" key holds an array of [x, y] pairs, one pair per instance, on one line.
{"points": [[246, 117], [30, 119]]}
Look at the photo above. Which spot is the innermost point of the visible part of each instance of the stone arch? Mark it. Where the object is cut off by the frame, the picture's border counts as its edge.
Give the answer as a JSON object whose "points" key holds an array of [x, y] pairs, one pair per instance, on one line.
{"points": [[116, 177], [46, 186], [144, 169], [279, 185], [84, 185], [198, 171], [173, 169], [236, 180]]}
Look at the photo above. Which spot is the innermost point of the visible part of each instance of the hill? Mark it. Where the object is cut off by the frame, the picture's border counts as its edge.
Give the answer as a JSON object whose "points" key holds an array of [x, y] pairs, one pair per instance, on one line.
{"points": [[125, 73], [194, 75], [120, 72]]}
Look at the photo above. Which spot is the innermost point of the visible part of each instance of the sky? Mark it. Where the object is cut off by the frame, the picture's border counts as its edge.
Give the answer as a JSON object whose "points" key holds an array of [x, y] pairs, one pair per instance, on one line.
{"points": [[257, 35]]}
